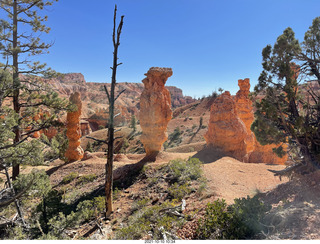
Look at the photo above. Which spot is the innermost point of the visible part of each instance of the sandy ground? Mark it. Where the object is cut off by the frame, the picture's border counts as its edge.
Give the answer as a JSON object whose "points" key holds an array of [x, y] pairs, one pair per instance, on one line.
{"points": [[228, 178]]}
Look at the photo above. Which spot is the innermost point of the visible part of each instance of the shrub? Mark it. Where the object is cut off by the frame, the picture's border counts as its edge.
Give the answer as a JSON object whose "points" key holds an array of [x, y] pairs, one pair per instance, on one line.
{"points": [[87, 178], [89, 147], [116, 193], [139, 204], [175, 135], [241, 220], [178, 192], [148, 219], [90, 208], [86, 210], [58, 146], [70, 177], [184, 171], [124, 147]]}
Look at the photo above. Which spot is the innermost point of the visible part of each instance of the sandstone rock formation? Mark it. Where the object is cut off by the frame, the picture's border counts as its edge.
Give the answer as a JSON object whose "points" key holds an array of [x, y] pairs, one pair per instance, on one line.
{"points": [[49, 132], [155, 110], [229, 128], [74, 151], [85, 128], [226, 131], [245, 113], [264, 154], [94, 98], [73, 78]]}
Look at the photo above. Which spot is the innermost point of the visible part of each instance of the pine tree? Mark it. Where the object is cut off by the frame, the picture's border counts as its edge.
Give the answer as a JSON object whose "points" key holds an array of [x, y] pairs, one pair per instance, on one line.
{"points": [[133, 123], [285, 114], [20, 39]]}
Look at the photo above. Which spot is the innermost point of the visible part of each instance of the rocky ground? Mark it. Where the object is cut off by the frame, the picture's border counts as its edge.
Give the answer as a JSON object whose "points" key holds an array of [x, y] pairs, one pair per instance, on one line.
{"points": [[227, 178]]}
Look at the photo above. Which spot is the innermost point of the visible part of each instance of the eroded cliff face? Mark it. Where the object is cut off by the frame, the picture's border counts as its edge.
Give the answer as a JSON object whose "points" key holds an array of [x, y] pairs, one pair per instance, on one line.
{"points": [[226, 131], [155, 110], [85, 128], [74, 151], [94, 98], [229, 128]]}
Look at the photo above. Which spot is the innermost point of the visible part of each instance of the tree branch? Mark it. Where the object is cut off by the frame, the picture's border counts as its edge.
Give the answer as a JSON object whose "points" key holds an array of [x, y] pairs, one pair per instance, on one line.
{"points": [[106, 90], [119, 94], [98, 140]]}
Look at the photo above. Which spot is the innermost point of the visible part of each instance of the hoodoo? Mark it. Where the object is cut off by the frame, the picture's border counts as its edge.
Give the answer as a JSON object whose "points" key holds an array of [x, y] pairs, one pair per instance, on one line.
{"points": [[226, 131], [229, 128], [74, 151], [155, 110], [245, 113]]}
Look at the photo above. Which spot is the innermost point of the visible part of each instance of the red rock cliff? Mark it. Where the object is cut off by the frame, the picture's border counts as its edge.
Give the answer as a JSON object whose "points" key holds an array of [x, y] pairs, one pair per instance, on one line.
{"points": [[155, 110]]}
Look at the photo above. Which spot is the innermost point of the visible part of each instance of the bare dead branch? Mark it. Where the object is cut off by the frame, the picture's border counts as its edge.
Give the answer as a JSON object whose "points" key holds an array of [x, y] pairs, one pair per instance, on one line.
{"points": [[95, 139], [119, 94], [106, 90]]}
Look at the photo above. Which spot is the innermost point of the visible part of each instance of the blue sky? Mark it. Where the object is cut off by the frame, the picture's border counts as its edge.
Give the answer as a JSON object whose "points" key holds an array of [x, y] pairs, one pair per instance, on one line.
{"points": [[208, 43]]}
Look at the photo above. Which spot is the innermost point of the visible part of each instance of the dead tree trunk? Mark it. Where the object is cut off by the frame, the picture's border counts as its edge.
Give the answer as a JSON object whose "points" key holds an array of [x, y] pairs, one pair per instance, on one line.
{"points": [[15, 198], [112, 99]]}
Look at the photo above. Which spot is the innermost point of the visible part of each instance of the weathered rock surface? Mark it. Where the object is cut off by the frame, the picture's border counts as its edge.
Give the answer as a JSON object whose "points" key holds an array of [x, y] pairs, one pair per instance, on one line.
{"points": [[85, 128], [229, 128], [155, 110], [73, 78], [49, 132], [245, 113], [264, 154], [94, 98], [226, 131], [74, 151]]}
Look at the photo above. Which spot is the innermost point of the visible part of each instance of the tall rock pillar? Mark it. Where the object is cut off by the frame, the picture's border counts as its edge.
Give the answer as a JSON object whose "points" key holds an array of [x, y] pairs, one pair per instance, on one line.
{"points": [[155, 110], [245, 113], [74, 151]]}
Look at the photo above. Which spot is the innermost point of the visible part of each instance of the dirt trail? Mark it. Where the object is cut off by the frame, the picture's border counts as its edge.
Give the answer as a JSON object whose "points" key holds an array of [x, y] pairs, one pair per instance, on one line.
{"points": [[229, 178]]}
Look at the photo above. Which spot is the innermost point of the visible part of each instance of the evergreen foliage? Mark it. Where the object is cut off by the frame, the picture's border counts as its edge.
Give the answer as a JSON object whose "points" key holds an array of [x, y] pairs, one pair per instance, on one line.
{"points": [[241, 220], [133, 123], [89, 147], [288, 114], [27, 104], [35, 105]]}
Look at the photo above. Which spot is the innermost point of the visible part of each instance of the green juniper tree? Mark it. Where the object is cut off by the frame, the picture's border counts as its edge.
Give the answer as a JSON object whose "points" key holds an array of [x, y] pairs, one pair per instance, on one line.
{"points": [[21, 27], [287, 113], [133, 123]]}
